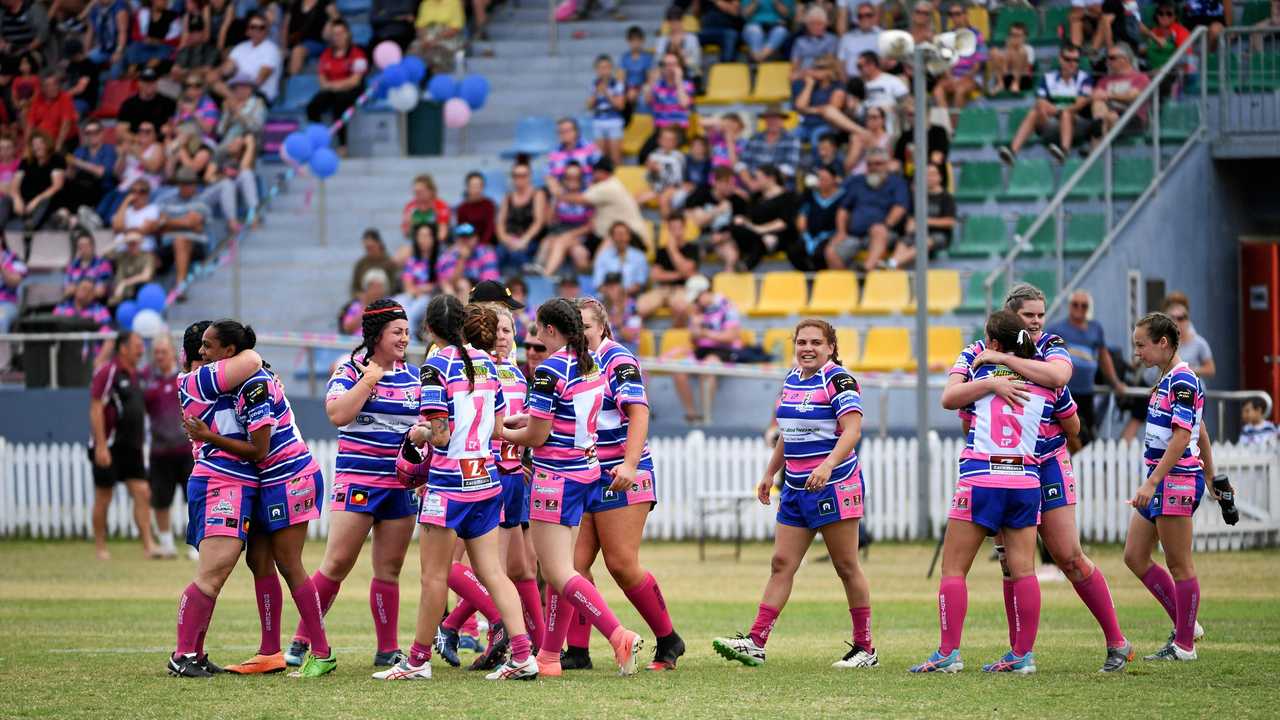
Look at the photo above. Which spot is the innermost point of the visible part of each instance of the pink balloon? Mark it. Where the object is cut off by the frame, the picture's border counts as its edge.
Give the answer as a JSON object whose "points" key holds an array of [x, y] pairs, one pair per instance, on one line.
{"points": [[456, 113], [386, 54]]}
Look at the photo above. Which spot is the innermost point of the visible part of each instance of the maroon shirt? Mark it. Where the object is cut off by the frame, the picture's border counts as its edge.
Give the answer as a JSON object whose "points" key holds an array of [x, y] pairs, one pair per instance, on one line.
{"points": [[124, 410], [480, 214], [160, 393]]}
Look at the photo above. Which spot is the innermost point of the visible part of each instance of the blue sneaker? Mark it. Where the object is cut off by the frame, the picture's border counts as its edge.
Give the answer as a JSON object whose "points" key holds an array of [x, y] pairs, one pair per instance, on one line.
{"points": [[937, 662], [1010, 663], [447, 646], [470, 644]]}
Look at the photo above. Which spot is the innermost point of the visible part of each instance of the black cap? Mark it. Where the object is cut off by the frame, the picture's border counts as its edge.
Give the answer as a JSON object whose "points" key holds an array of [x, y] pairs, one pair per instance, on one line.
{"points": [[494, 291], [604, 164], [612, 278], [148, 74]]}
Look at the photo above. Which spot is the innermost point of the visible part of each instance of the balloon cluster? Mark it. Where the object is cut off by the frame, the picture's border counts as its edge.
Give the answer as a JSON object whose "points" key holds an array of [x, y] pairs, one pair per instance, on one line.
{"points": [[145, 313], [402, 77], [310, 146]]}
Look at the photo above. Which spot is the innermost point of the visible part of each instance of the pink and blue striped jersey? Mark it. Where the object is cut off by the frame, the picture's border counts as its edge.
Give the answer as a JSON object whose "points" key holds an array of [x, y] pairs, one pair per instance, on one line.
{"points": [[572, 401], [808, 413], [12, 264], [1049, 347], [369, 445], [1178, 402], [472, 408], [666, 107], [624, 385], [1001, 447], [514, 388], [481, 265], [261, 403], [97, 269], [720, 315], [585, 154], [203, 394]]}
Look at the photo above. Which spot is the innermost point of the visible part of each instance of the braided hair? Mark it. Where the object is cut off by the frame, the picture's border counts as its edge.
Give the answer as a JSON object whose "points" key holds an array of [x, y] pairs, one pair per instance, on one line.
{"points": [[377, 315], [1006, 328], [191, 341], [480, 327], [563, 315], [828, 334], [445, 318], [601, 313]]}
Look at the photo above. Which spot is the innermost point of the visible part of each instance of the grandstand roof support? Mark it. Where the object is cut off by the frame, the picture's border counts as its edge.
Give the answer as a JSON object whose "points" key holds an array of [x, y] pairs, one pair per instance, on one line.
{"points": [[921, 203]]}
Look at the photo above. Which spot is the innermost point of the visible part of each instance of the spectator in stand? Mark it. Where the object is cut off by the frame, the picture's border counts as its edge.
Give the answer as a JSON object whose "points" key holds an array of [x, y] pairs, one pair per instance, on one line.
{"points": [[776, 147], [107, 34], [875, 136], [342, 69], [768, 25], [697, 165], [721, 25], [1255, 429], [635, 64], [1012, 67], [715, 328], [185, 224], [535, 351], [937, 142], [873, 86], [198, 46], [476, 209], [135, 267], [607, 102], [90, 176], [612, 202], [713, 209], [1213, 14], [195, 105], [256, 59], [573, 149], [34, 190], [154, 36], [465, 263], [940, 227], [439, 34], [875, 204], [138, 214], [1087, 345], [393, 20], [1062, 114], [621, 310], [522, 219], [86, 264], [767, 227], [424, 207], [665, 171], [1117, 90], [1166, 37], [669, 97], [570, 233], [84, 306], [727, 138], [862, 38], [921, 23], [307, 25], [169, 460], [418, 281], [374, 257], [817, 94], [244, 115], [618, 256], [146, 106], [141, 157], [80, 77], [192, 152], [953, 88], [817, 222], [685, 44], [827, 152], [12, 272], [1085, 21], [813, 43], [1272, 20], [675, 262], [374, 285]]}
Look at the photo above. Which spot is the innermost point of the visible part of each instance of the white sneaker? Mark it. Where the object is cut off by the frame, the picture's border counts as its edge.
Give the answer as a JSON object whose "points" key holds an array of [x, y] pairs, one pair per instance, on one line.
{"points": [[512, 670], [857, 657], [404, 671], [1199, 631], [740, 648]]}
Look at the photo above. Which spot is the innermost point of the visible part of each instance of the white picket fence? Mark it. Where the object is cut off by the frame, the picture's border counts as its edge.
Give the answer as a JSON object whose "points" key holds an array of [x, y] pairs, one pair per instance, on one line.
{"points": [[46, 490]]}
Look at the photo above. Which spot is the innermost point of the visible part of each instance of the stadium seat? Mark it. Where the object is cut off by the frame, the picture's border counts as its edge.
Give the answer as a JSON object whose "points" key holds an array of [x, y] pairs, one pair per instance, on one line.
{"points": [[1055, 18], [1084, 233], [885, 292], [773, 83], [944, 292], [646, 347], [1264, 72], [848, 345], [689, 22], [1030, 179], [1007, 17], [979, 19], [354, 7], [298, 91], [1046, 280], [945, 343], [791, 121], [727, 83], [1132, 176], [739, 288], [638, 130], [691, 233], [1045, 238], [675, 343], [1214, 76], [361, 33], [886, 349], [633, 179], [1178, 121], [1255, 12], [1013, 120], [981, 236], [979, 181], [975, 296], [535, 135], [114, 93], [1090, 186], [777, 342], [781, 293], [495, 183], [976, 127], [748, 336], [835, 292]]}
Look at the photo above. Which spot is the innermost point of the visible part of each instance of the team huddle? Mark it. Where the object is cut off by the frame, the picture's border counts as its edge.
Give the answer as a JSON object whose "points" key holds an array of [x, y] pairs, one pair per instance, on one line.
{"points": [[515, 474]]}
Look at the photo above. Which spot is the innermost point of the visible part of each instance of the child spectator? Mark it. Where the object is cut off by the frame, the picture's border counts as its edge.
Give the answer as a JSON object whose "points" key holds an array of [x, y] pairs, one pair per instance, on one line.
{"points": [[665, 173], [465, 263], [635, 64], [476, 209], [607, 101], [570, 233], [684, 44], [1166, 37], [419, 277], [86, 265], [697, 164], [955, 86], [1013, 66], [728, 139], [374, 257], [1255, 429], [424, 207]]}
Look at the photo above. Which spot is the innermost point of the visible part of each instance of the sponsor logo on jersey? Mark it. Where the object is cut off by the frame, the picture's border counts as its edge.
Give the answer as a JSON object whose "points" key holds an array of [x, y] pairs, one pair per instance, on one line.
{"points": [[222, 508], [433, 505], [1053, 491], [276, 512], [826, 507], [1006, 465], [213, 521], [358, 497], [553, 505]]}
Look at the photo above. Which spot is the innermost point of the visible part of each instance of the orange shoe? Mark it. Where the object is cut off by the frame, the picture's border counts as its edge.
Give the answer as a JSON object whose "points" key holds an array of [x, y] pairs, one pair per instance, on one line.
{"points": [[259, 665], [549, 664], [626, 646]]}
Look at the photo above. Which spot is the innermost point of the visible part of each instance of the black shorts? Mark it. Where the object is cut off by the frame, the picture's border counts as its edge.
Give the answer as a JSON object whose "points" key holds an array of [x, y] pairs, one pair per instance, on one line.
{"points": [[126, 464], [591, 242], [723, 354], [167, 472], [1191, 22]]}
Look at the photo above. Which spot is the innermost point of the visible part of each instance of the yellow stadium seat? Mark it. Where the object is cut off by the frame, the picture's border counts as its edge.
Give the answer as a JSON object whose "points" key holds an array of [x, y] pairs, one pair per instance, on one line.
{"points": [[633, 179], [835, 292], [740, 288], [887, 349], [945, 343], [690, 23], [727, 83], [777, 342], [691, 233], [980, 20], [944, 292], [885, 292], [781, 293], [748, 336], [675, 343], [773, 83], [847, 345], [638, 130], [790, 122], [646, 346]]}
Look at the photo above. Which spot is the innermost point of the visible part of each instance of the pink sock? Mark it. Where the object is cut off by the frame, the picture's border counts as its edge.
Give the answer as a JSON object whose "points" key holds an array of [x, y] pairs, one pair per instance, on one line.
{"points": [[862, 627], [765, 618], [308, 603], [557, 627], [579, 630], [384, 604], [270, 598], [1096, 595], [1187, 597], [587, 600], [953, 603], [459, 616], [532, 602], [520, 648], [419, 654], [1006, 585], [463, 581], [647, 598], [326, 591], [204, 630], [194, 610], [1160, 583], [1026, 608]]}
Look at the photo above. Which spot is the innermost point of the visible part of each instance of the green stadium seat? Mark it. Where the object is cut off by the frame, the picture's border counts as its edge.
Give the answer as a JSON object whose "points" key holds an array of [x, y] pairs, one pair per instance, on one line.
{"points": [[1090, 186], [1046, 280], [1010, 15], [979, 181], [975, 297], [1132, 176], [1178, 121], [1264, 73], [1215, 76], [1031, 179], [1045, 238], [976, 127], [1084, 233], [1013, 120], [1255, 12], [981, 237], [1054, 18]]}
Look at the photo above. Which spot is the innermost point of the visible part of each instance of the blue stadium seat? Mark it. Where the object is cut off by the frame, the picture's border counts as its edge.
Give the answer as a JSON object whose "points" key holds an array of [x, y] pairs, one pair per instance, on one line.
{"points": [[495, 183], [354, 7], [298, 91], [534, 136], [585, 127], [361, 33]]}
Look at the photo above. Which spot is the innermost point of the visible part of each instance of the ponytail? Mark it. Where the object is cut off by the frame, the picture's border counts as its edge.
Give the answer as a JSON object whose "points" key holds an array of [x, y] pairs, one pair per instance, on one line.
{"points": [[480, 327], [563, 315], [445, 318], [192, 338], [599, 311], [377, 315], [231, 332], [1158, 326], [1006, 328]]}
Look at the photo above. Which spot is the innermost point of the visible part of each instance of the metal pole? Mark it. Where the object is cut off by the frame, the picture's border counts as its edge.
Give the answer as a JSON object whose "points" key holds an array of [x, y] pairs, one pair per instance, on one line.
{"points": [[921, 157], [1107, 189], [552, 30], [1203, 125], [235, 275], [322, 216]]}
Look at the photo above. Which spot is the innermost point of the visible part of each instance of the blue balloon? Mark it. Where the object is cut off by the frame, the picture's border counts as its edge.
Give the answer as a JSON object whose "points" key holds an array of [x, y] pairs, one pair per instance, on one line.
{"points": [[318, 135], [151, 297], [324, 163], [414, 68], [442, 87], [394, 75], [125, 313], [298, 146], [475, 90]]}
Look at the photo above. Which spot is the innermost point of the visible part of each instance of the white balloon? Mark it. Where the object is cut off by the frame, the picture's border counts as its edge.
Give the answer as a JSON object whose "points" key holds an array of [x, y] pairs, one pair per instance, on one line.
{"points": [[148, 323], [404, 98]]}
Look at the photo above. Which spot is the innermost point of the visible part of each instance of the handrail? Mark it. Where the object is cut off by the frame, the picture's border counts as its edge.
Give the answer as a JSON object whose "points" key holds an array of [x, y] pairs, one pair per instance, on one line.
{"points": [[1021, 240]]}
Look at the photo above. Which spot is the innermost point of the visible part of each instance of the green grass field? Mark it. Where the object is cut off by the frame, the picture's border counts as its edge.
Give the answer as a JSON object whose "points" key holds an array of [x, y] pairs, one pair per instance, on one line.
{"points": [[83, 639]]}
